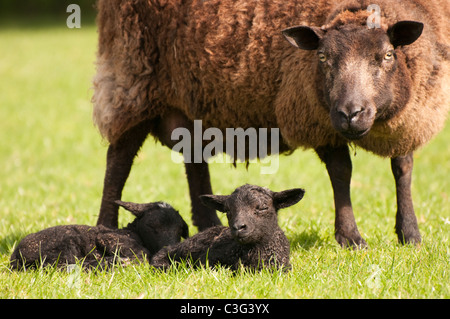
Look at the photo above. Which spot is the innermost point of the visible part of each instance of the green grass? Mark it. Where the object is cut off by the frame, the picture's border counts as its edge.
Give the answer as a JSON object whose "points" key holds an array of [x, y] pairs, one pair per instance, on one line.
{"points": [[53, 161]]}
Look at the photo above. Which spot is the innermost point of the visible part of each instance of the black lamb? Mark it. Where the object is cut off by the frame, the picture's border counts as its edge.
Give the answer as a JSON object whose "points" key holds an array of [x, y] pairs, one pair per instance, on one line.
{"points": [[253, 239], [156, 225]]}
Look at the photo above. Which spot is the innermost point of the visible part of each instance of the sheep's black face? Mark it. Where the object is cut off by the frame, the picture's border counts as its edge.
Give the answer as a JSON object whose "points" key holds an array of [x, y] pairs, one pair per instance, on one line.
{"points": [[158, 224], [252, 211], [358, 71], [251, 214], [161, 227]]}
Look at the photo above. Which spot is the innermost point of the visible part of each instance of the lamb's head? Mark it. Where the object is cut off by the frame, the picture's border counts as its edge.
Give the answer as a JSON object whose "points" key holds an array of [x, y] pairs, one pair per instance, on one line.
{"points": [[361, 72], [252, 210], [158, 224]]}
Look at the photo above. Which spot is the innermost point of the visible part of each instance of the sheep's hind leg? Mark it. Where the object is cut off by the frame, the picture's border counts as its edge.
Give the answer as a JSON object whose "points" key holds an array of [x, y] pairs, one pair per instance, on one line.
{"points": [[197, 173], [200, 184], [339, 167], [406, 221], [119, 160]]}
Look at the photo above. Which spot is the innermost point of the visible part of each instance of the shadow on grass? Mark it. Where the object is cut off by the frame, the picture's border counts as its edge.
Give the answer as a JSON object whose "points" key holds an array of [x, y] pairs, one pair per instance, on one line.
{"points": [[307, 239]]}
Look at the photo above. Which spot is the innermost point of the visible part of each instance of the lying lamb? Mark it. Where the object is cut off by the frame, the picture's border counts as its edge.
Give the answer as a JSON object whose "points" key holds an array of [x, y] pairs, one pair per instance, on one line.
{"points": [[156, 225], [253, 238]]}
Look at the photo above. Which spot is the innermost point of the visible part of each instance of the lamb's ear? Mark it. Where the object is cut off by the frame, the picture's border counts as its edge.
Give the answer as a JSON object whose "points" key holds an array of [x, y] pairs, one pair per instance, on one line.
{"points": [[304, 37], [136, 209], [287, 198], [216, 202], [185, 231], [404, 32]]}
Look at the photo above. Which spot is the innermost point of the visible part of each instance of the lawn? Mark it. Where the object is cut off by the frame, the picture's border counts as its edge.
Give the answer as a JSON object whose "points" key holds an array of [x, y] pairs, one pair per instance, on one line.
{"points": [[53, 161]]}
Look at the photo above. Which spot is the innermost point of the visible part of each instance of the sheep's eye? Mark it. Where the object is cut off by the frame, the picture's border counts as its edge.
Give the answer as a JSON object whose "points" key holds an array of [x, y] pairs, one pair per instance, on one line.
{"points": [[322, 57], [262, 208], [389, 55]]}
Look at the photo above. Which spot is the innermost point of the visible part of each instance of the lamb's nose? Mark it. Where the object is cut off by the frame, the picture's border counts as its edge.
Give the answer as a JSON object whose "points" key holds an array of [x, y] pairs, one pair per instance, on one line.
{"points": [[239, 227]]}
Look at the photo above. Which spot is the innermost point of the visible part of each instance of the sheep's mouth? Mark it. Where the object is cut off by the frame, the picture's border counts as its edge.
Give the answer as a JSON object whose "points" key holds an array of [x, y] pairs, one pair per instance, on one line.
{"points": [[355, 135], [241, 237], [243, 241]]}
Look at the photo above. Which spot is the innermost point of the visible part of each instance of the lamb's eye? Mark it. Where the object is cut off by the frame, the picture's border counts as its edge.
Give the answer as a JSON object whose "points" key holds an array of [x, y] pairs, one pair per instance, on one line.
{"points": [[389, 55], [322, 57], [262, 208]]}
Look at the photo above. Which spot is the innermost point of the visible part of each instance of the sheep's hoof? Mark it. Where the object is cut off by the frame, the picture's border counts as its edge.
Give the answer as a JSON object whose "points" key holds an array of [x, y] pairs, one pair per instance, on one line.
{"points": [[412, 237], [354, 242]]}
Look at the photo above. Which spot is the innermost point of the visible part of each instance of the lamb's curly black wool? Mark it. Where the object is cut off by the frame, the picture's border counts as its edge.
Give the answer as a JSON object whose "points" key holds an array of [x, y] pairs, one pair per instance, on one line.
{"points": [[156, 225], [253, 239]]}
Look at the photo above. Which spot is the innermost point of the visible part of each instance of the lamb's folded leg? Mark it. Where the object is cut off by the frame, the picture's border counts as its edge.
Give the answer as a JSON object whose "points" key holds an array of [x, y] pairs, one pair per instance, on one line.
{"points": [[161, 260]]}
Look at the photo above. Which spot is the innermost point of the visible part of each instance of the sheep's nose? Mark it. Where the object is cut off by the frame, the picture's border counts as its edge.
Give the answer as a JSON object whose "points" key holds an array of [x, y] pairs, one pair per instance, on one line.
{"points": [[239, 227], [349, 115]]}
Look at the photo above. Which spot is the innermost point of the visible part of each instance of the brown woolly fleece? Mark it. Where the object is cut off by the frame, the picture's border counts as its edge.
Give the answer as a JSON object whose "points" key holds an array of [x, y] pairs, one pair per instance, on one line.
{"points": [[227, 63]]}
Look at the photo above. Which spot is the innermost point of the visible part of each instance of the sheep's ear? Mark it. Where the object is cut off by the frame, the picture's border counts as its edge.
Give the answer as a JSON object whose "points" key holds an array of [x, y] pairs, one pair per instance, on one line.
{"points": [[185, 231], [404, 32], [216, 202], [303, 37], [136, 209], [287, 198]]}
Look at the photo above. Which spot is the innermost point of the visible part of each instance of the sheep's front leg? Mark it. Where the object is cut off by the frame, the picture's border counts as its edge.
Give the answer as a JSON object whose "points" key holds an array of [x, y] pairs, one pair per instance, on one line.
{"points": [[406, 221], [339, 167], [119, 160]]}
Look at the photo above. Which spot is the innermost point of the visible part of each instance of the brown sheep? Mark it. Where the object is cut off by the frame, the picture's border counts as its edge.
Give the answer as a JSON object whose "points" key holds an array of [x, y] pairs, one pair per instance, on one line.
{"points": [[164, 63]]}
